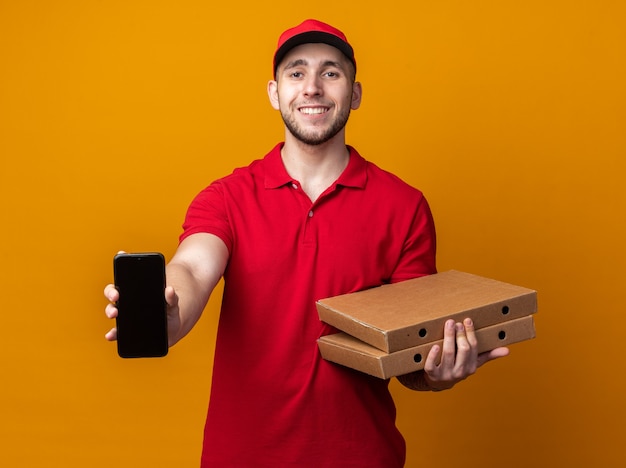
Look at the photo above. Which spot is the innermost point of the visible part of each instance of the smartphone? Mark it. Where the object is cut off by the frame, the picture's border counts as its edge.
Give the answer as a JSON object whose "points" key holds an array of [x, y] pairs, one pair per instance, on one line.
{"points": [[142, 310]]}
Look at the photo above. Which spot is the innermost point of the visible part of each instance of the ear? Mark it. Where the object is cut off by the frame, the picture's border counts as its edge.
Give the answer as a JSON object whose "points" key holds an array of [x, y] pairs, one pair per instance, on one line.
{"points": [[357, 93], [272, 92]]}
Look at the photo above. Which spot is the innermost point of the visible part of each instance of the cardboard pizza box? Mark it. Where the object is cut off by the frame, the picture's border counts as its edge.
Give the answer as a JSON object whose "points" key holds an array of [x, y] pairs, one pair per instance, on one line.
{"points": [[406, 314], [346, 350]]}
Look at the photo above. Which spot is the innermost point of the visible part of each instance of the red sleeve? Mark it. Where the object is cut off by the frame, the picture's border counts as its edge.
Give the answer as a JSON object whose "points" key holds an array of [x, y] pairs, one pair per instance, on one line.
{"points": [[419, 251], [208, 214]]}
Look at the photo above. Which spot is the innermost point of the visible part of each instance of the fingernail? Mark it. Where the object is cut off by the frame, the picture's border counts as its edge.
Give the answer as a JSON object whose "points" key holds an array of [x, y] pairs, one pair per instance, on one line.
{"points": [[468, 322]]}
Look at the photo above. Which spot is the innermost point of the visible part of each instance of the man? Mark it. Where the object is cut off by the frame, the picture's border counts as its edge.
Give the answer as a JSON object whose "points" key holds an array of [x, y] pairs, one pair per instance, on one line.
{"points": [[312, 219]]}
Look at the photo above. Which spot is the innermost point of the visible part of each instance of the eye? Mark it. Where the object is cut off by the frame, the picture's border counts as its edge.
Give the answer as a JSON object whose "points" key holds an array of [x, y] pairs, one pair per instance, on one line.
{"points": [[296, 74]]}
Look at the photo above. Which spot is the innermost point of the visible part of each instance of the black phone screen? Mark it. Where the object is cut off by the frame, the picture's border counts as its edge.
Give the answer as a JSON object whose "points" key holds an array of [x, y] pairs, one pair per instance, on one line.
{"points": [[142, 310]]}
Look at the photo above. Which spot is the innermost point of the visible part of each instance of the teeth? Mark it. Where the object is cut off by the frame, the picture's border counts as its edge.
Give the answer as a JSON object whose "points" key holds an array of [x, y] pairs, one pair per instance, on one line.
{"points": [[313, 110]]}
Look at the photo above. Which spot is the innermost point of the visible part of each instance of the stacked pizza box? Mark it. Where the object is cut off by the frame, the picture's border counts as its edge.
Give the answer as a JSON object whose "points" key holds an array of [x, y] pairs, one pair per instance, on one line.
{"points": [[388, 330]]}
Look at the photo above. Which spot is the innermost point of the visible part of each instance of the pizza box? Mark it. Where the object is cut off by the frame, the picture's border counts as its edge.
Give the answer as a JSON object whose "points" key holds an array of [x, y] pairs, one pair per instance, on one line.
{"points": [[403, 315], [348, 351]]}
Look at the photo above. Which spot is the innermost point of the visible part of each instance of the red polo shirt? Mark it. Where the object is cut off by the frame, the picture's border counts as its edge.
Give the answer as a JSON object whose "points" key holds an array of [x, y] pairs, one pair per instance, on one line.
{"points": [[274, 401]]}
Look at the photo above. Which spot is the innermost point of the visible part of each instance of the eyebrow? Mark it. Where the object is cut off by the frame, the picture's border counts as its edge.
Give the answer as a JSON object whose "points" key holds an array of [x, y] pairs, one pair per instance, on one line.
{"points": [[295, 63], [303, 62]]}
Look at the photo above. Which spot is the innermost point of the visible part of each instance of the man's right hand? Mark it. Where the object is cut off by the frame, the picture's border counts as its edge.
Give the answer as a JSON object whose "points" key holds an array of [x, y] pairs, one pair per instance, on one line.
{"points": [[193, 272], [173, 313]]}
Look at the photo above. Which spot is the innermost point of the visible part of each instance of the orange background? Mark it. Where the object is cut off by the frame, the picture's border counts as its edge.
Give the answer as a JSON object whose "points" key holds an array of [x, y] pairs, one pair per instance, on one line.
{"points": [[510, 116]]}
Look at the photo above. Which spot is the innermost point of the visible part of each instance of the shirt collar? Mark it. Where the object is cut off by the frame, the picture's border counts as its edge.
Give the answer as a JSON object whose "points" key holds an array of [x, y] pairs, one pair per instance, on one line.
{"points": [[354, 175]]}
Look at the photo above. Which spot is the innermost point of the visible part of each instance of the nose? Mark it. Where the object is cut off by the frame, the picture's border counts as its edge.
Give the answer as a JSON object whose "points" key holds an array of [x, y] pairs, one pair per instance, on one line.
{"points": [[312, 85]]}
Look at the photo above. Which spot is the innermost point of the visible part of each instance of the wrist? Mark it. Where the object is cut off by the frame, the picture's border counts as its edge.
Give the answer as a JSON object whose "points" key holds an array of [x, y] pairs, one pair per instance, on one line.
{"points": [[438, 386], [417, 381]]}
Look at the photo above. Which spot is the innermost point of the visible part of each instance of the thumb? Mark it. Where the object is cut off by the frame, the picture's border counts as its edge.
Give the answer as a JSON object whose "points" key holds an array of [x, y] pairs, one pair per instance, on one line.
{"points": [[487, 356], [171, 297]]}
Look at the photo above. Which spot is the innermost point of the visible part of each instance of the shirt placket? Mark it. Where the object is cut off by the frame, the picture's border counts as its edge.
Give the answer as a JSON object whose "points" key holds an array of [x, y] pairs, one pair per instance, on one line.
{"points": [[309, 231]]}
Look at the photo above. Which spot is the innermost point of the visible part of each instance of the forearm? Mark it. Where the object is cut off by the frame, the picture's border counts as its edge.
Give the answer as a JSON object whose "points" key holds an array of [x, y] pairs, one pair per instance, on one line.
{"points": [[193, 273], [191, 296]]}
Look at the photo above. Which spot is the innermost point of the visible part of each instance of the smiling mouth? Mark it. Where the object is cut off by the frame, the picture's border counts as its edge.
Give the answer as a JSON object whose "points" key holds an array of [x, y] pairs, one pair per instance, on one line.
{"points": [[313, 110]]}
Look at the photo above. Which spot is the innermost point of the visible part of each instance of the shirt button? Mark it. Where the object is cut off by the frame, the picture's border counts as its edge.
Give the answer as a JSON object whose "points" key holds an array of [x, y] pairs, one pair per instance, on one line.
{"points": [[311, 214], [294, 186]]}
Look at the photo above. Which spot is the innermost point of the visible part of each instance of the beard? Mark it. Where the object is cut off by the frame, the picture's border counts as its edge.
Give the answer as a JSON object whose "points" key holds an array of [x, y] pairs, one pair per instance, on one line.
{"points": [[315, 136]]}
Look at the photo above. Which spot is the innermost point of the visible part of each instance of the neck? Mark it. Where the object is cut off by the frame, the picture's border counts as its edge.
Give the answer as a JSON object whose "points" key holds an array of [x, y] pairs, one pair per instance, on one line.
{"points": [[315, 167]]}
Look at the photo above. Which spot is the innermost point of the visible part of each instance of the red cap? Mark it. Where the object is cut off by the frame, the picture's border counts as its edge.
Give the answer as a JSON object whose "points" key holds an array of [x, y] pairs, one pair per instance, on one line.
{"points": [[308, 32]]}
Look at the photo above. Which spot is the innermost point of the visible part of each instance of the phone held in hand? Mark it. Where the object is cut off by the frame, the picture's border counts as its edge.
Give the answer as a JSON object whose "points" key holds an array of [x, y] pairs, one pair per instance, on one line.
{"points": [[142, 310]]}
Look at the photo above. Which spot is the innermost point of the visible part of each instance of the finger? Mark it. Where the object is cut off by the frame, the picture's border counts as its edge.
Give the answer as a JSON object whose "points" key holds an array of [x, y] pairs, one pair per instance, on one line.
{"points": [[465, 359], [469, 339], [111, 293], [430, 365], [462, 344], [470, 333], [111, 335], [448, 351], [111, 311]]}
